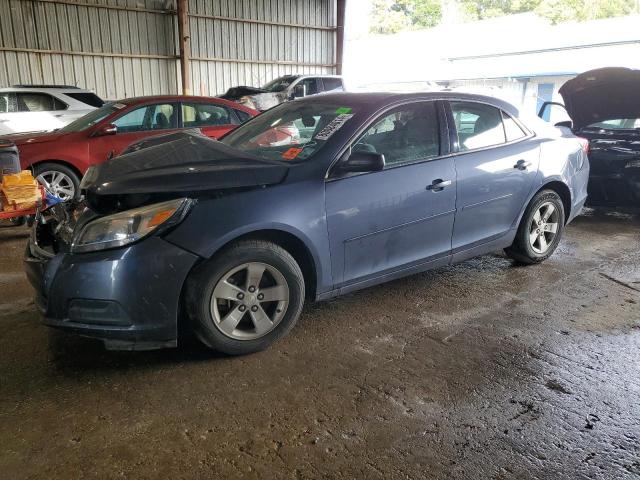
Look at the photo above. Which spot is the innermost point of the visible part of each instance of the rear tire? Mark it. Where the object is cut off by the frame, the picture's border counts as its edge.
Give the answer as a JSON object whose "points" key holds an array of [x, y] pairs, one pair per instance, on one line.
{"points": [[58, 179], [540, 229], [245, 298]]}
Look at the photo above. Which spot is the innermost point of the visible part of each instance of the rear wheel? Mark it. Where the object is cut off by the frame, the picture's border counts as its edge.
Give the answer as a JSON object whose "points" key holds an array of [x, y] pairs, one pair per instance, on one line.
{"points": [[246, 297], [540, 229], [59, 180]]}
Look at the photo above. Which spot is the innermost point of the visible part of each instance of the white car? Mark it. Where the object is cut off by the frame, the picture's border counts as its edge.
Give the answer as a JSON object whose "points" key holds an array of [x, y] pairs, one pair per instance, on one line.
{"points": [[33, 108], [282, 89]]}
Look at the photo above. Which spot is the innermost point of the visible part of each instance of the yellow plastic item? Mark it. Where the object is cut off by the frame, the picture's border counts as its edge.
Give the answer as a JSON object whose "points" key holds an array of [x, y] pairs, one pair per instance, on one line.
{"points": [[19, 191]]}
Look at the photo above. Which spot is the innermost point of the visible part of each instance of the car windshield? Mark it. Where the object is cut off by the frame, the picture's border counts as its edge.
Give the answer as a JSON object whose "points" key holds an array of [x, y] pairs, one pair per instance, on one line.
{"points": [[617, 124], [279, 84], [90, 119], [290, 132]]}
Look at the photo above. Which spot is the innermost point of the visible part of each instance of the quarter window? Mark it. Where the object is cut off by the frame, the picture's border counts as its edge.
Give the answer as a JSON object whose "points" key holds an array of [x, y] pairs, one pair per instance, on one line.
{"points": [[511, 129], [38, 102], [478, 125], [149, 117], [205, 115], [407, 134], [332, 84]]}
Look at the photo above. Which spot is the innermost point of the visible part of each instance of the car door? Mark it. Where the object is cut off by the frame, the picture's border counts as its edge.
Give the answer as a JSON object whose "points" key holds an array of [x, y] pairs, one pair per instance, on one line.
{"points": [[401, 217], [212, 120], [133, 125], [33, 112], [496, 167]]}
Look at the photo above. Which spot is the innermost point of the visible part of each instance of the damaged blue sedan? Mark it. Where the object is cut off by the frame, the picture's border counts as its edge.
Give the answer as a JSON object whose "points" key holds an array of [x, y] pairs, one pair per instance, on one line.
{"points": [[312, 199]]}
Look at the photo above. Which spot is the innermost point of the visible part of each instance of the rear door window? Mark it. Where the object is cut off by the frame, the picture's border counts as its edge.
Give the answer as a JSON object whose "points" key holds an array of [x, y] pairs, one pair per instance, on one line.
{"points": [[206, 115], [407, 134], [478, 125], [38, 102], [332, 84]]}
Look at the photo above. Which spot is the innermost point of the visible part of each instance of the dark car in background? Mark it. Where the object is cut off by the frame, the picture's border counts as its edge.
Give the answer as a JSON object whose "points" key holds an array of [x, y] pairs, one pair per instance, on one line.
{"points": [[232, 235], [604, 107], [60, 158]]}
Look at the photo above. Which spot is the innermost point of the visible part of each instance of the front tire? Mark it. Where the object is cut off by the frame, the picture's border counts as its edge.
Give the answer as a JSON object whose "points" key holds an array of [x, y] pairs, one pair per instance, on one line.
{"points": [[58, 180], [246, 297], [540, 229]]}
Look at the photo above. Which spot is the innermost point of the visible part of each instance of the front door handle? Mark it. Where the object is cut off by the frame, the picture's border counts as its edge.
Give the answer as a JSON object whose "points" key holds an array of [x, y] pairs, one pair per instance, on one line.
{"points": [[4, 121], [438, 185], [522, 165]]}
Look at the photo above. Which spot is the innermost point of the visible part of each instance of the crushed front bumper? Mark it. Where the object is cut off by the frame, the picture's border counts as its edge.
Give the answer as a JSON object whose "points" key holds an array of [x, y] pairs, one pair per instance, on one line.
{"points": [[129, 297]]}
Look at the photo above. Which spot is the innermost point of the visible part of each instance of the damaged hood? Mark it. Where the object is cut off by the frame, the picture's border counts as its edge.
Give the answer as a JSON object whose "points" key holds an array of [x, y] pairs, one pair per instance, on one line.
{"points": [[182, 162], [234, 93], [602, 94]]}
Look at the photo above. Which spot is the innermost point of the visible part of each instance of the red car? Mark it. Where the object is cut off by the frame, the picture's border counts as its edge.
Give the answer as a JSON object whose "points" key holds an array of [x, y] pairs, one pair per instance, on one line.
{"points": [[60, 158]]}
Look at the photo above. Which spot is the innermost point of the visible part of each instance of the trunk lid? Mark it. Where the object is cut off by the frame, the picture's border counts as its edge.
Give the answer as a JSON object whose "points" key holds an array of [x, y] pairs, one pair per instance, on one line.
{"points": [[602, 94]]}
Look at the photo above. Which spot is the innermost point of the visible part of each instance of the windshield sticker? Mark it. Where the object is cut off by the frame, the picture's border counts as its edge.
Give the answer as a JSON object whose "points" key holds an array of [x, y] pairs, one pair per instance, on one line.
{"points": [[333, 126], [343, 110], [292, 153]]}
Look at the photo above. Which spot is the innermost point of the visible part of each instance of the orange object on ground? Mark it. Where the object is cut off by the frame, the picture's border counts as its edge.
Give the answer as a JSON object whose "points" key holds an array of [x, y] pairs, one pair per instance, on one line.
{"points": [[20, 191]]}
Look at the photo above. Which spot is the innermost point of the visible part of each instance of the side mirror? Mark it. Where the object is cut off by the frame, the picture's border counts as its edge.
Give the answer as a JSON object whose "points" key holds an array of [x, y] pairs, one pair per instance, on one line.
{"points": [[108, 129], [361, 162], [566, 124], [299, 91]]}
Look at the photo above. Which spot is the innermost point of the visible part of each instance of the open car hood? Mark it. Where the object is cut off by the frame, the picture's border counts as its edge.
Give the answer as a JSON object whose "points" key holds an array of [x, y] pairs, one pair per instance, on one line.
{"points": [[602, 94], [235, 93], [183, 163]]}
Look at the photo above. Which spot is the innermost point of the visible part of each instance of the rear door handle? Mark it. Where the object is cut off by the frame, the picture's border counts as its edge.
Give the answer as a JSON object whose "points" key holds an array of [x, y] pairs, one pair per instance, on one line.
{"points": [[522, 165], [438, 185]]}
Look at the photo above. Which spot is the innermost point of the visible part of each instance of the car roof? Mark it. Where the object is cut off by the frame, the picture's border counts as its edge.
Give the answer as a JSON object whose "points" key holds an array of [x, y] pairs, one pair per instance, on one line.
{"points": [[378, 100], [44, 88], [179, 98]]}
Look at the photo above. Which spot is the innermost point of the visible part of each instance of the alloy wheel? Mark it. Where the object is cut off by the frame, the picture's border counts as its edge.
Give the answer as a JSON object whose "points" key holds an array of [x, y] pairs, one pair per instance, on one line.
{"points": [[543, 227], [249, 301], [58, 184]]}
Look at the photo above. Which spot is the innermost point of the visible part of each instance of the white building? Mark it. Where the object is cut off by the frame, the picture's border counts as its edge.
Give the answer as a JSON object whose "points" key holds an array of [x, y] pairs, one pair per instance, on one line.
{"points": [[521, 58]]}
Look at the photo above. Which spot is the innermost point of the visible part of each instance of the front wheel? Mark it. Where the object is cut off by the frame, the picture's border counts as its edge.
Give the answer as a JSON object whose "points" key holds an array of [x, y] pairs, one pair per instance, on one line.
{"points": [[540, 229], [58, 180], [246, 297]]}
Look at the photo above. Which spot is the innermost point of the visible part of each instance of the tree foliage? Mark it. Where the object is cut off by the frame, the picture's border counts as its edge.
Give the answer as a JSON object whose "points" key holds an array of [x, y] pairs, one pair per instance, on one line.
{"points": [[391, 16]]}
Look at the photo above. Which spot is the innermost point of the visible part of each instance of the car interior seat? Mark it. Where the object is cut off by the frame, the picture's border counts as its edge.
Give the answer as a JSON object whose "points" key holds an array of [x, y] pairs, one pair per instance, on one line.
{"points": [[161, 121]]}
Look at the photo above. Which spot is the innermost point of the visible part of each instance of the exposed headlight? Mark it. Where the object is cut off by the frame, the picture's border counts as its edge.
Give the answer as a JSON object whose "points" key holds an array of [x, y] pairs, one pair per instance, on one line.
{"points": [[129, 226]]}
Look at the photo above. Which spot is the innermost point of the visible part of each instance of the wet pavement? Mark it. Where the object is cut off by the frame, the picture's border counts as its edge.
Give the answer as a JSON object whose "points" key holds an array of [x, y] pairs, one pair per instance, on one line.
{"points": [[482, 370]]}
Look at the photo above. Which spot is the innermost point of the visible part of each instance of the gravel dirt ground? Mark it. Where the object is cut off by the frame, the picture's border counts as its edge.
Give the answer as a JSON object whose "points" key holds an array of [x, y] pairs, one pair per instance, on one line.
{"points": [[481, 370]]}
